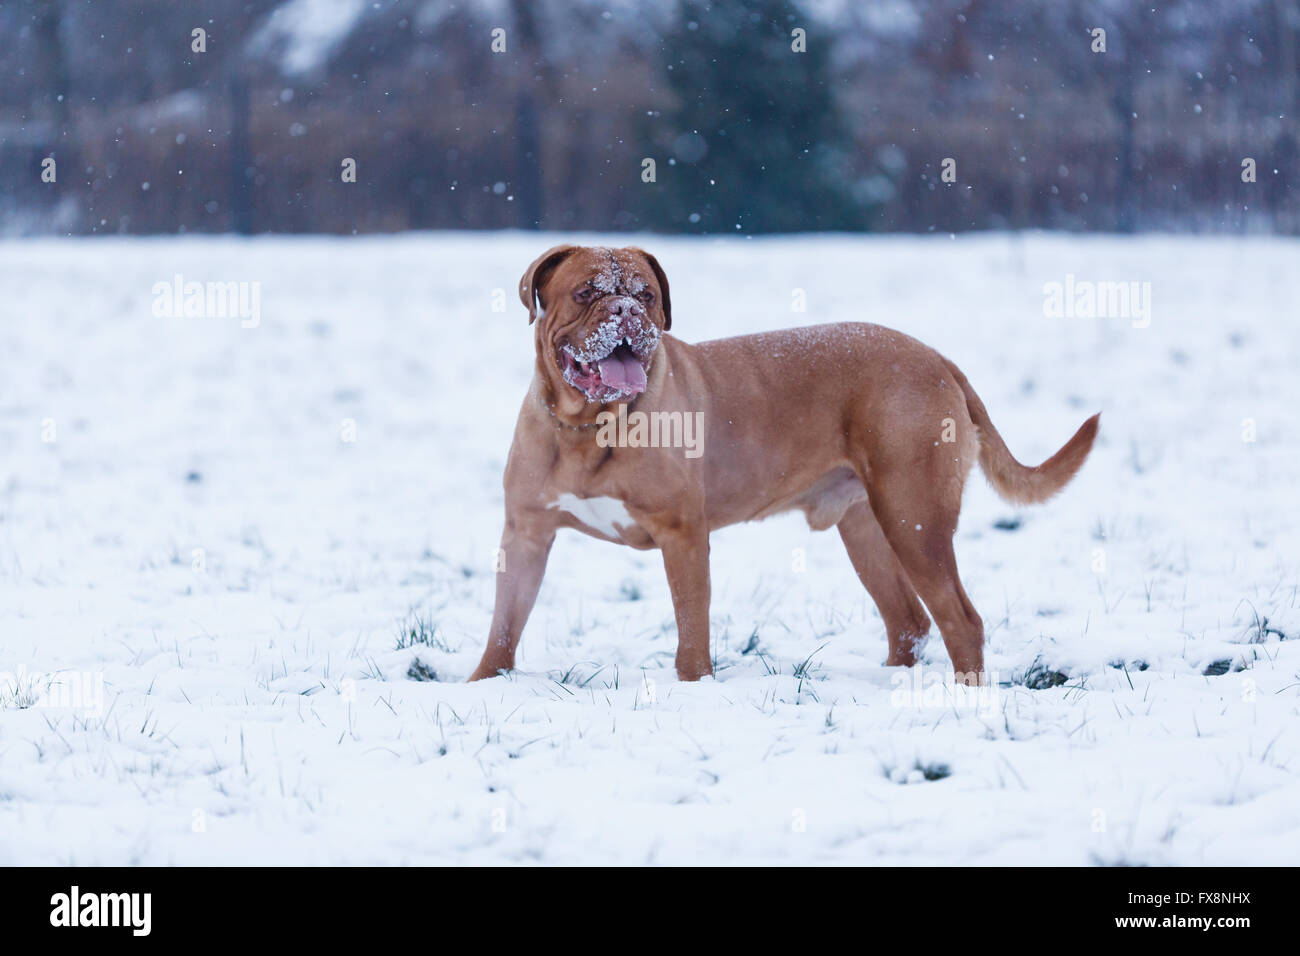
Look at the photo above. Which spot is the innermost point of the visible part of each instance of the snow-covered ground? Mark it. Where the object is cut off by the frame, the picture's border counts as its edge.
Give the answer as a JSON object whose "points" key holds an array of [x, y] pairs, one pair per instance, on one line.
{"points": [[203, 580]]}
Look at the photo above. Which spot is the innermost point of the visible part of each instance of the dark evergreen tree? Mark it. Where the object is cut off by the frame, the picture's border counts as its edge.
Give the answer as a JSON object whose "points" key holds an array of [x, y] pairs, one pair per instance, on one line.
{"points": [[757, 143]]}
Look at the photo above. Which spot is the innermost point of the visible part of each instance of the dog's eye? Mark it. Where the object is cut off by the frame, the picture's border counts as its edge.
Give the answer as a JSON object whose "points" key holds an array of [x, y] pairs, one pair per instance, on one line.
{"points": [[585, 295], [646, 296]]}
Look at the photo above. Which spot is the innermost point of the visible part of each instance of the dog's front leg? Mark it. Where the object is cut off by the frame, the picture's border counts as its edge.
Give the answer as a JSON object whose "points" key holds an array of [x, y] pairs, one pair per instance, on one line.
{"points": [[519, 576], [686, 560]]}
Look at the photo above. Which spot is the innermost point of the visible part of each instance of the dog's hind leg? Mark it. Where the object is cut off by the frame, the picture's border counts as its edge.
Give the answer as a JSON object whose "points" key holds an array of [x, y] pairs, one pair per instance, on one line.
{"points": [[919, 528], [881, 573]]}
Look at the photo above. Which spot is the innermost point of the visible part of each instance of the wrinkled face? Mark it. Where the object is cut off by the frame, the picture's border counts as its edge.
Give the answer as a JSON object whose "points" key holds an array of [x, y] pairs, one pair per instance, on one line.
{"points": [[603, 320]]}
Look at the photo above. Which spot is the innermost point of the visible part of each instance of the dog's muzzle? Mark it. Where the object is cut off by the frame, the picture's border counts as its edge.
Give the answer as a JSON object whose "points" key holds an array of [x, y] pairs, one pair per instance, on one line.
{"points": [[613, 360]]}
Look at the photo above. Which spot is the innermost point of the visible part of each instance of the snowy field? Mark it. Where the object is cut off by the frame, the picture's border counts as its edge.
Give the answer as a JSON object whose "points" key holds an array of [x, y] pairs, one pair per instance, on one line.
{"points": [[213, 536]]}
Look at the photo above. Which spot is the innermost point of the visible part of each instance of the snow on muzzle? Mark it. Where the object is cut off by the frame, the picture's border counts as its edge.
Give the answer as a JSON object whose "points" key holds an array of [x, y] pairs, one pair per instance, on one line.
{"points": [[613, 359]]}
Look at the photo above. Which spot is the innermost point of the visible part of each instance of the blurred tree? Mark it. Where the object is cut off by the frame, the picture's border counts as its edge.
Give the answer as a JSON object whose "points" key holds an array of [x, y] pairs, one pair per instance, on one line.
{"points": [[758, 141], [240, 200], [531, 79], [55, 103]]}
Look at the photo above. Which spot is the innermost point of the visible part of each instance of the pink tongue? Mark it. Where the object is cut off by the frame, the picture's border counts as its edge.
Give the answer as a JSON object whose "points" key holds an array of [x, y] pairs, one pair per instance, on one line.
{"points": [[623, 372]]}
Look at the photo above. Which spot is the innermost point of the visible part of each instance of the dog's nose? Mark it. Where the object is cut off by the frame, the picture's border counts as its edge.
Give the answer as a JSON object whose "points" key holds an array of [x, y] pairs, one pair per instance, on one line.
{"points": [[624, 307]]}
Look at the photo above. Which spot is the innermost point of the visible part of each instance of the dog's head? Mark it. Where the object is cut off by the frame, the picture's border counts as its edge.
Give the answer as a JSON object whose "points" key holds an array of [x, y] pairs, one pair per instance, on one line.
{"points": [[600, 314]]}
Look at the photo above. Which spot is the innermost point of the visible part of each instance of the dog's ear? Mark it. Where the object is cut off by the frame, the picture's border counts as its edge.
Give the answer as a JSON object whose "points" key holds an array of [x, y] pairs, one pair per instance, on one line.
{"points": [[663, 287], [535, 277]]}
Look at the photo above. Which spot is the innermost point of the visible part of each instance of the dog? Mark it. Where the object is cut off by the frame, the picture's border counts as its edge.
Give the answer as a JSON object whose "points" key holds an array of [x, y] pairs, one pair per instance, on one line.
{"points": [[860, 427]]}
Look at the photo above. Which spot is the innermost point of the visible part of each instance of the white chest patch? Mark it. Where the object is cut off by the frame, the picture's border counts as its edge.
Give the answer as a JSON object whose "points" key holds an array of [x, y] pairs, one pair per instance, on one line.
{"points": [[603, 514]]}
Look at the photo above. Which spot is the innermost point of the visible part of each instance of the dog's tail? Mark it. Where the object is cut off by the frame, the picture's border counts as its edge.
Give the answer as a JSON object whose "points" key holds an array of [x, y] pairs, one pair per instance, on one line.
{"points": [[1015, 482]]}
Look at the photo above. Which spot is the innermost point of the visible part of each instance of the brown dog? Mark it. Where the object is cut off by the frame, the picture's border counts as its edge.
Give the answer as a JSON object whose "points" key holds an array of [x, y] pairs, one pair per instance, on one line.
{"points": [[857, 426]]}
